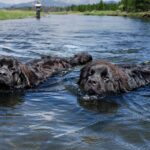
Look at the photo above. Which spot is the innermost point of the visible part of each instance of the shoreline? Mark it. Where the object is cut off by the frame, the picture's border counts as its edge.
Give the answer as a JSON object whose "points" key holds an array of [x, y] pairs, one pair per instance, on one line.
{"points": [[21, 14], [15, 14], [106, 13]]}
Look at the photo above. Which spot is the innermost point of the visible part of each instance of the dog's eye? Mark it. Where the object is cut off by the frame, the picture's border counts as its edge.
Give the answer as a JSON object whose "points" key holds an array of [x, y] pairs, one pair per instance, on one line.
{"points": [[10, 66], [105, 75], [106, 79], [92, 72]]}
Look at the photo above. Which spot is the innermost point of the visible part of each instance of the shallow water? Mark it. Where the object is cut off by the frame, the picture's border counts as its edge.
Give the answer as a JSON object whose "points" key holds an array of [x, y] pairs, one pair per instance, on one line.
{"points": [[52, 116]]}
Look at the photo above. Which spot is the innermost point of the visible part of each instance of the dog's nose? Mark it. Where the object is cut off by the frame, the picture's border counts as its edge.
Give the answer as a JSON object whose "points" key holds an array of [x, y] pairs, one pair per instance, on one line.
{"points": [[91, 81], [3, 72]]}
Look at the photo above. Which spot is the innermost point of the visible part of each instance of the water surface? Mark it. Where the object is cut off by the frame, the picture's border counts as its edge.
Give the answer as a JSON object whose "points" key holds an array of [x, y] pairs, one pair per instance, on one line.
{"points": [[52, 116]]}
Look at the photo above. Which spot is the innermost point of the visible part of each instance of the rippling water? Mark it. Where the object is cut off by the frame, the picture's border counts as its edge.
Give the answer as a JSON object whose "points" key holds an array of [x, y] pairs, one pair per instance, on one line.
{"points": [[52, 116]]}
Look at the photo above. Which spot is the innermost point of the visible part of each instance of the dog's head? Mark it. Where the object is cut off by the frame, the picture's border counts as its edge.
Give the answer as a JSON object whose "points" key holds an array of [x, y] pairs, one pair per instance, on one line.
{"points": [[102, 78], [80, 59], [13, 74]]}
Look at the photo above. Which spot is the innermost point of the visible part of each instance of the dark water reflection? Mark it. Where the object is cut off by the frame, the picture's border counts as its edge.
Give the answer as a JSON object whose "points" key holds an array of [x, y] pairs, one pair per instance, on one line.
{"points": [[11, 99], [52, 116], [101, 106]]}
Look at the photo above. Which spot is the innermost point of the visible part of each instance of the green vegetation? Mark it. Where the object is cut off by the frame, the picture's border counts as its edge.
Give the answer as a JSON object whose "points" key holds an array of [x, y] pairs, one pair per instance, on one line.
{"points": [[105, 13], [118, 13], [15, 14], [90, 7], [123, 5], [134, 5], [132, 8], [65, 12]]}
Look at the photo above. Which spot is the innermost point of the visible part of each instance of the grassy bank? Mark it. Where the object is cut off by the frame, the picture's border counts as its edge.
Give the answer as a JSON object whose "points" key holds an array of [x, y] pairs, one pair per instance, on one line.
{"points": [[66, 13], [107, 13], [15, 14], [19, 14], [118, 13]]}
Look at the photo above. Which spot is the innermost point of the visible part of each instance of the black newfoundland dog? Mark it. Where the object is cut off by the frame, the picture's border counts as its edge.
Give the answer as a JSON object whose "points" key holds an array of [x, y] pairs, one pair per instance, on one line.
{"points": [[103, 78], [16, 75]]}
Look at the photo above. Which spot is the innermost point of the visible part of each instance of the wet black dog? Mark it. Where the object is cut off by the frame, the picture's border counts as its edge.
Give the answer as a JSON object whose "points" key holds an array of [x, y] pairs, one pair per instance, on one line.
{"points": [[15, 75], [103, 78]]}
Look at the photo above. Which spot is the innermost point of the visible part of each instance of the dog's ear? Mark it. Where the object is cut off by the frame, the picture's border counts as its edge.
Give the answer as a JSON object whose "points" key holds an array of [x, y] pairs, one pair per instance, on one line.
{"points": [[84, 72]]}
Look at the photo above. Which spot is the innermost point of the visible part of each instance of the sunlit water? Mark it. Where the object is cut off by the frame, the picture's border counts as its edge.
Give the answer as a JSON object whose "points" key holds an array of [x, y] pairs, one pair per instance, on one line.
{"points": [[51, 116]]}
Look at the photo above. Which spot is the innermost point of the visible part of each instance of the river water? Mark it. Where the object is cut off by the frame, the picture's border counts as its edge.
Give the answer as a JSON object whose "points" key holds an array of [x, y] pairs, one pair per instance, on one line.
{"points": [[51, 116]]}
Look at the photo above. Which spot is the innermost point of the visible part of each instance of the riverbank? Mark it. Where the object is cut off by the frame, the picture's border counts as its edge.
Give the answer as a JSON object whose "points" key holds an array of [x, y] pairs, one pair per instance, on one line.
{"points": [[15, 14], [20, 14], [107, 13]]}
